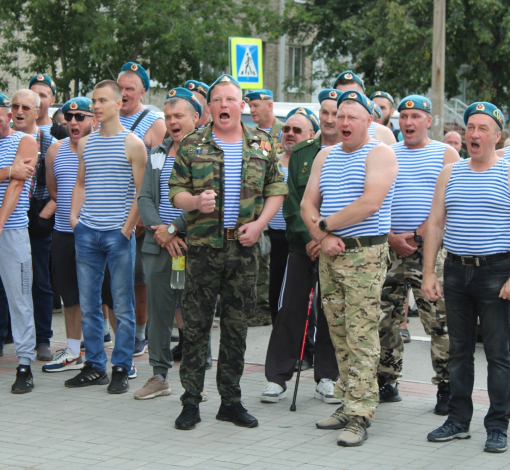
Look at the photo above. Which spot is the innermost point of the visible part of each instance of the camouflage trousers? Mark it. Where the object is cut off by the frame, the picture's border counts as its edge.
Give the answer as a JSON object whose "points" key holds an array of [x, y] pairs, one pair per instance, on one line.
{"points": [[404, 272], [262, 314], [351, 285], [231, 272]]}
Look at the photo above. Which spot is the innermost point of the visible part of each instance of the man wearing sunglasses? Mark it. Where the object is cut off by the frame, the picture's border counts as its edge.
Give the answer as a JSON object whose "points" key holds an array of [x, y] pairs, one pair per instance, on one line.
{"points": [[61, 171], [26, 108]]}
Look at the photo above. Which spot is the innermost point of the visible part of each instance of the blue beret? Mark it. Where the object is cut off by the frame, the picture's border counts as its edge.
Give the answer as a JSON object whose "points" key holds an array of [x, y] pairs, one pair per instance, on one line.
{"points": [[348, 75], [382, 94], [42, 78], [359, 98], [329, 94], [186, 95], [306, 113], [222, 78], [194, 85], [484, 107], [415, 102], [5, 102], [377, 110], [78, 104], [140, 71], [258, 95]]}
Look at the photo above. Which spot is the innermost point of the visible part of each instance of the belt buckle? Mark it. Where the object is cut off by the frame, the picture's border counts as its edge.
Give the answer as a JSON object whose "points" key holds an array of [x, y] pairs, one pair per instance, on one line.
{"points": [[476, 260], [231, 235]]}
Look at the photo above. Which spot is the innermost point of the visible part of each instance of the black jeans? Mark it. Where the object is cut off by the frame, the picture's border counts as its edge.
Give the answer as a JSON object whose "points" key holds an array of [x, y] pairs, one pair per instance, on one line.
{"points": [[472, 292]]}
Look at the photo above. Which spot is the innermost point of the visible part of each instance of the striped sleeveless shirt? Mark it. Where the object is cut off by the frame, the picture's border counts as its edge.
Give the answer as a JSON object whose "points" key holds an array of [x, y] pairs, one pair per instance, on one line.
{"points": [[167, 212], [278, 222], [418, 170], [342, 181], [478, 210], [65, 169], [41, 192], [371, 130], [8, 148], [109, 185], [506, 155], [142, 127]]}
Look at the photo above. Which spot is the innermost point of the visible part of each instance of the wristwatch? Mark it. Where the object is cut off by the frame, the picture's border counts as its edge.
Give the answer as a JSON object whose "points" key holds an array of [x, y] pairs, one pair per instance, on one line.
{"points": [[323, 226], [171, 229], [418, 238]]}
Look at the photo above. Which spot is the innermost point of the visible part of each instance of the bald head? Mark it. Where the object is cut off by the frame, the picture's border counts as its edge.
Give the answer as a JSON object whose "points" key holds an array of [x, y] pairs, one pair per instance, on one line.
{"points": [[454, 139], [26, 93]]}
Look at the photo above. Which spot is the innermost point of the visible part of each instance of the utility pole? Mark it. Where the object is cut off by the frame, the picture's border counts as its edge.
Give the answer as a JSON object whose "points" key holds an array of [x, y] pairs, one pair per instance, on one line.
{"points": [[438, 69], [281, 60]]}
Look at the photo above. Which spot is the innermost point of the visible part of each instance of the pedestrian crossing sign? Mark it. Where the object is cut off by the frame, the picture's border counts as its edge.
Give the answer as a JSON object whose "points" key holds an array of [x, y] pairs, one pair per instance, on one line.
{"points": [[246, 62]]}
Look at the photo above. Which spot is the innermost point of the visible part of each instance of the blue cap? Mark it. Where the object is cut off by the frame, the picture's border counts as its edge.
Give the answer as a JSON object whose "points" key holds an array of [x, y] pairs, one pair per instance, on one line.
{"points": [[200, 87], [307, 114], [415, 102], [377, 110], [5, 102], [383, 94], [349, 75], [140, 71], [359, 98], [186, 95], [78, 104], [258, 95], [329, 94], [42, 78], [222, 78], [484, 107]]}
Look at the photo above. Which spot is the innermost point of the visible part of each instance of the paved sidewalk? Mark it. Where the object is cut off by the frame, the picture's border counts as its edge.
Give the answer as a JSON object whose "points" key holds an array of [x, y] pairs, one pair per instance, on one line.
{"points": [[57, 428]]}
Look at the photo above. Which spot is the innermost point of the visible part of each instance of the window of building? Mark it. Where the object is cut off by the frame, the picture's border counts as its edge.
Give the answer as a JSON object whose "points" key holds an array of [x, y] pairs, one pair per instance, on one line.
{"points": [[295, 67]]}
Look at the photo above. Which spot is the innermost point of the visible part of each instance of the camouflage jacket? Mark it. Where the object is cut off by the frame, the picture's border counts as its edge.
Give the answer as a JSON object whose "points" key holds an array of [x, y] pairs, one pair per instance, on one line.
{"points": [[275, 134], [199, 165]]}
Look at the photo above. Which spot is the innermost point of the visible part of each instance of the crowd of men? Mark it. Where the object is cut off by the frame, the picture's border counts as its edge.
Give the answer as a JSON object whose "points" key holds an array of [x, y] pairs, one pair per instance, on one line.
{"points": [[118, 195]]}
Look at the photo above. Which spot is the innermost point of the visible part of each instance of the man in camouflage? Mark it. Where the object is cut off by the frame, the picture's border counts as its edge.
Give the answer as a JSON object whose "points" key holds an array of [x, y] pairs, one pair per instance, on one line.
{"points": [[228, 178], [346, 206]]}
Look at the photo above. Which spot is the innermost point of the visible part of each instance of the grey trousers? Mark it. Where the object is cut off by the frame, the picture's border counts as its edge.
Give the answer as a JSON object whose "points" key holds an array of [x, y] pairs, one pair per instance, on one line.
{"points": [[16, 275], [161, 302]]}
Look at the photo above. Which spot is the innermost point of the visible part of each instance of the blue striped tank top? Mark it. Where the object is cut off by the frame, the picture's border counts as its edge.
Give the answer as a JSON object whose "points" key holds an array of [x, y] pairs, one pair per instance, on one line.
{"points": [[278, 222], [506, 155], [8, 148], [478, 210], [109, 185], [233, 158], [342, 181], [41, 192], [142, 127], [167, 212], [65, 168], [418, 170], [371, 129]]}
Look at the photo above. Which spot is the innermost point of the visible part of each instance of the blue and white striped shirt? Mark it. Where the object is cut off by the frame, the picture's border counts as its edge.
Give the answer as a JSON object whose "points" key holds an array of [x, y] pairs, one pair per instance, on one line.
{"points": [[143, 126], [233, 158], [506, 155], [47, 140], [109, 185], [65, 169], [371, 130], [278, 222], [418, 170], [8, 148], [342, 181], [167, 212], [478, 210]]}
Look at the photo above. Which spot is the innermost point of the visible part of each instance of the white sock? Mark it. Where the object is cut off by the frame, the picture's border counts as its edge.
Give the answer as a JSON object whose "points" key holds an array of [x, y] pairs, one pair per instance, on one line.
{"points": [[394, 385], [106, 326], [140, 332], [74, 346]]}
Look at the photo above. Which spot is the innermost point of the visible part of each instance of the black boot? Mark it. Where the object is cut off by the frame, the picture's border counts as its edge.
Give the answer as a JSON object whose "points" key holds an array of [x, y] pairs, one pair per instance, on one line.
{"points": [[189, 417], [177, 350], [236, 413], [443, 396]]}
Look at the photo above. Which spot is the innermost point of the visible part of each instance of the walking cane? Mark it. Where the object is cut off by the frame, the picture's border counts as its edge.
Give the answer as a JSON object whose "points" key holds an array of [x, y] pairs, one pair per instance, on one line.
{"points": [[315, 273]]}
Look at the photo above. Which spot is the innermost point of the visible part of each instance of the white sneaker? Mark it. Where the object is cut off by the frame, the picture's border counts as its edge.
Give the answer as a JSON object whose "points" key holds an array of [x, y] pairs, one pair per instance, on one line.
{"points": [[273, 393], [325, 391], [64, 360]]}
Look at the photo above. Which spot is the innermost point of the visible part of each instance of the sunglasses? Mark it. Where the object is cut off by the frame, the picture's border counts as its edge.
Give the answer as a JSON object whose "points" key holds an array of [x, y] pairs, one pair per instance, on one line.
{"points": [[78, 116], [24, 107], [296, 130]]}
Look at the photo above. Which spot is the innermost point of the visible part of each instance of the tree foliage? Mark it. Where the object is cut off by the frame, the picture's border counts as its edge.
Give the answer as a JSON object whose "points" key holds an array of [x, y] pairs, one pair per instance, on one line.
{"points": [[390, 42], [88, 40]]}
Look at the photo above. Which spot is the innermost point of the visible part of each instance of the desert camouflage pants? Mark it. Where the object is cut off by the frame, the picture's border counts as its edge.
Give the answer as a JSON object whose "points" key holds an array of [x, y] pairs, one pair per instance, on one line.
{"points": [[351, 285], [231, 272], [405, 272]]}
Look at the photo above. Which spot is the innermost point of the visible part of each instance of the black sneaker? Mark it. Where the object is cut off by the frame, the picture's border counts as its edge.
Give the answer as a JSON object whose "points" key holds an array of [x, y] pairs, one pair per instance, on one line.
{"points": [[24, 380], [120, 380], [448, 431], [388, 393], [443, 396], [189, 417], [236, 413], [89, 375], [496, 441]]}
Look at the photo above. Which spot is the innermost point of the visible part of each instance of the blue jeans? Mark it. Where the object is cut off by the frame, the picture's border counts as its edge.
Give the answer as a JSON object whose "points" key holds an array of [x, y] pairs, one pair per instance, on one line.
{"points": [[472, 292], [93, 250], [41, 289]]}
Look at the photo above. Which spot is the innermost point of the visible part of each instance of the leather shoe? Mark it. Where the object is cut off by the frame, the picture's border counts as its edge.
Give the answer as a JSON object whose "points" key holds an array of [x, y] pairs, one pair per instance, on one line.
{"points": [[190, 415], [236, 413]]}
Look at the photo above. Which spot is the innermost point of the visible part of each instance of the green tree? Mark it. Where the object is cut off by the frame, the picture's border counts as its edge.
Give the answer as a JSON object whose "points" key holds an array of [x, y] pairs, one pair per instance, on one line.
{"points": [[88, 40], [390, 42]]}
